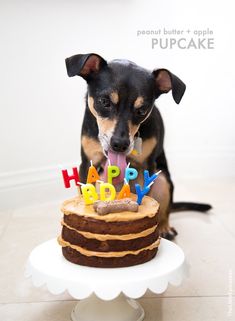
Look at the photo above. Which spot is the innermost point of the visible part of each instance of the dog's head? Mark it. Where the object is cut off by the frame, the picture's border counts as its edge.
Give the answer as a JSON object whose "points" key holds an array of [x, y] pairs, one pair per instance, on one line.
{"points": [[121, 96]]}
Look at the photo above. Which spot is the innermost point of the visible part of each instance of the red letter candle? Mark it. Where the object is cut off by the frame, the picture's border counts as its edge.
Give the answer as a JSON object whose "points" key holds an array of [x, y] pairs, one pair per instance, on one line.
{"points": [[67, 178]]}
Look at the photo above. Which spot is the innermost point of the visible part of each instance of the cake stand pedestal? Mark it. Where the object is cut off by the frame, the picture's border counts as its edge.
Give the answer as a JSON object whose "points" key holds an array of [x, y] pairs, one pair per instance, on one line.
{"points": [[105, 294]]}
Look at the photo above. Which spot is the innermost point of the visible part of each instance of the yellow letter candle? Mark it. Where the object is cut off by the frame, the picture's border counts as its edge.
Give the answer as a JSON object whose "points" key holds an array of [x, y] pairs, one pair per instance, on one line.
{"points": [[113, 171], [107, 192], [89, 193]]}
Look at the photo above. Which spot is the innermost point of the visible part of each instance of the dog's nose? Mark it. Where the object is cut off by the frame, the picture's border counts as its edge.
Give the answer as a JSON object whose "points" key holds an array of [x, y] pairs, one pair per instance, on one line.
{"points": [[119, 144]]}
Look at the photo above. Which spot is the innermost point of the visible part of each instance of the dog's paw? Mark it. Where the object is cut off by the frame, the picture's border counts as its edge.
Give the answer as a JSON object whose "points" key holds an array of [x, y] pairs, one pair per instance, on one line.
{"points": [[168, 232]]}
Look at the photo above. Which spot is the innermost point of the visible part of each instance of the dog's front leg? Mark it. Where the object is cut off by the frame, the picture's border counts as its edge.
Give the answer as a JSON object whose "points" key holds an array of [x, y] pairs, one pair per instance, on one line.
{"points": [[162, 191]]}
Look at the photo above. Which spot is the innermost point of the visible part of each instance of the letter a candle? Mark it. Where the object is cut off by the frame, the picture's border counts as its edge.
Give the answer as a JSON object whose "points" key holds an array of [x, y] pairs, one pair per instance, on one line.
{"points": [[92, 175]]}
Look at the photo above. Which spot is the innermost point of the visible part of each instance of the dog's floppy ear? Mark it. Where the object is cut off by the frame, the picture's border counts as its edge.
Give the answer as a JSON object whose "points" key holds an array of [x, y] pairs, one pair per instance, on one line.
{"points": [[84, 65], [165, 81]]}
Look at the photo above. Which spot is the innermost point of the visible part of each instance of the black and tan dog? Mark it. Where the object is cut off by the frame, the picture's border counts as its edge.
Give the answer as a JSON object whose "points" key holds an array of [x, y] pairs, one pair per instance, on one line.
{"points": [[120, 107]]}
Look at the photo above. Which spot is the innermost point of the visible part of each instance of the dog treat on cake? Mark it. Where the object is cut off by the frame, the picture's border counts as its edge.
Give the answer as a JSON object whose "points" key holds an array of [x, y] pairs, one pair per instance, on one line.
{"points": [[115, 206]]}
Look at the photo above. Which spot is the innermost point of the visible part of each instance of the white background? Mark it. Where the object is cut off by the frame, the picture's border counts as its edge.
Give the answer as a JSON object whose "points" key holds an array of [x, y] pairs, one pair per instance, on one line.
{"points": [[41, 108]]}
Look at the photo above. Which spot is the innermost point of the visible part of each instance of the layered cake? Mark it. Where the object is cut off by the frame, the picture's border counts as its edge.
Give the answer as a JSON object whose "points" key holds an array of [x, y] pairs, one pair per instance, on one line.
{"points": [[108, 240]]}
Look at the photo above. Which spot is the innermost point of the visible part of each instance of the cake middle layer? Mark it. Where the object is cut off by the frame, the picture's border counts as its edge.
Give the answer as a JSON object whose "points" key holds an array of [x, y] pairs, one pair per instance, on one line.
{"points": [[108, 242]]}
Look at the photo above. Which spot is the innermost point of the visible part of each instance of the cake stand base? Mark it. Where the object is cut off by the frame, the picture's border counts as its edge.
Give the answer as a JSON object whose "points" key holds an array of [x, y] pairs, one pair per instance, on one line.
{"points": [[105, 294], [119, 309]]}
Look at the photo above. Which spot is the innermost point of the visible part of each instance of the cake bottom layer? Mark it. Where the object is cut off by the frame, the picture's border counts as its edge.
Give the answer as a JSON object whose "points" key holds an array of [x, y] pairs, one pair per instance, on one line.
{"points": [[108, 262]]}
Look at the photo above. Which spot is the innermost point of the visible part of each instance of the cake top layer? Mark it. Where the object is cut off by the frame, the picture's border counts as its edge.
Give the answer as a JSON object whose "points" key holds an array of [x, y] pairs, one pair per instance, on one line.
{"points": [[76, 205]]}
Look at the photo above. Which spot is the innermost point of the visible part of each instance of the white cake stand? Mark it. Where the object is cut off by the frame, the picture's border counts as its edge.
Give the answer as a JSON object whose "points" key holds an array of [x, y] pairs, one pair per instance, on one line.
{"points": [[105, 293]]}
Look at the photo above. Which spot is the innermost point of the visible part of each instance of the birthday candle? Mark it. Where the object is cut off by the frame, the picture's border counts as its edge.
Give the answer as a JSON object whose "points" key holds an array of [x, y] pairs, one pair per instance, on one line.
{"points": [[107, 192], [93, 175], [148, 180], [89, 193], [67, 178], [125, 191], [130, 174], [141, 192], [113, 171]]}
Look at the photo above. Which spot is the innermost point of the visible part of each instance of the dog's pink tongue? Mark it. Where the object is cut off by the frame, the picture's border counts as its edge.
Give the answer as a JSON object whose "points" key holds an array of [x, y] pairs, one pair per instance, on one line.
{"points": [[118, 159]]}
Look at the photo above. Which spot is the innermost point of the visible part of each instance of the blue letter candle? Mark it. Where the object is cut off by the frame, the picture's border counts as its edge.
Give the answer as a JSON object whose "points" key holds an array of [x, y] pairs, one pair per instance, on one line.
{"points": [[148, 180], [140, 193], [130, 174]]}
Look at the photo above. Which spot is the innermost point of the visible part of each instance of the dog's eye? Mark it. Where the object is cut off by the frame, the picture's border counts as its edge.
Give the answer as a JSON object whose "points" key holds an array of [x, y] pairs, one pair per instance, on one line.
{"points": [[141, 112], [104, 102]]}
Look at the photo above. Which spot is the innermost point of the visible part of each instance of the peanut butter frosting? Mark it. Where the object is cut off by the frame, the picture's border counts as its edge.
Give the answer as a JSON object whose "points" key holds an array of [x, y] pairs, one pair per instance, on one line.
{"points": [[85, 252], [76, 205], [105, 237]]}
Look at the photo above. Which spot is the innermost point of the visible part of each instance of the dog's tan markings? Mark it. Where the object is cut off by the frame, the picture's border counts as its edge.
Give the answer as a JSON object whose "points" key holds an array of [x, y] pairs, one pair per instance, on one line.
{"points": [[114, 97], [91, 106], [139, 102], [106, 125], [160, 191], [93, 150], [147, 148], [133, 129]]}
